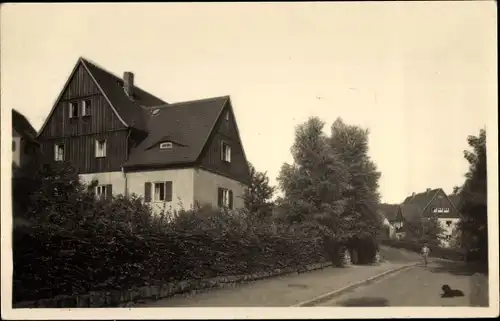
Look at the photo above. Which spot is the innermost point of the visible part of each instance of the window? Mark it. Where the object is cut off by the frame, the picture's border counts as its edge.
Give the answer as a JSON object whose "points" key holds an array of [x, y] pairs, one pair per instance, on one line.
{"points": [[225, 198], [101, 191], [87, 104], [448, 223], [225, 152], [100, 148], [446, 210], [440, 210], [73, 109], [166, 145], [226, 116], [162, 192], [59, 152], [13, 145]]}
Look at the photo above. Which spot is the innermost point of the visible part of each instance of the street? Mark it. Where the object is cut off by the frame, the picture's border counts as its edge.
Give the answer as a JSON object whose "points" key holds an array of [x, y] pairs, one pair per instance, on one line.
{"points": [[416, 287]]}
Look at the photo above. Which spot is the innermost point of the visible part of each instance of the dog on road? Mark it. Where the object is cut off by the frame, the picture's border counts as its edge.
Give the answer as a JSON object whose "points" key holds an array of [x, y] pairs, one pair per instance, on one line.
{"points": [[448, 292]]}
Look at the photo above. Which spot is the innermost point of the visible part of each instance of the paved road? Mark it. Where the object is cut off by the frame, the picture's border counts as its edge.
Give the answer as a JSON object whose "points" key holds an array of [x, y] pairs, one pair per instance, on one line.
{"points": [[416, 287]]}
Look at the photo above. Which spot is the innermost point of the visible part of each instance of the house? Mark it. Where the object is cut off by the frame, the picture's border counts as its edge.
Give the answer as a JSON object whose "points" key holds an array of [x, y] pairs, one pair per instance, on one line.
{"points": [[24, 144], [432, 202], [174, 155], [391, 220]]}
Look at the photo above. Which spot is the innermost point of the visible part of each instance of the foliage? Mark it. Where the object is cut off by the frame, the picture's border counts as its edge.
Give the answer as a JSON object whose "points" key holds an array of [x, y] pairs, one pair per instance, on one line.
{"points": [[351, 143], [258, 197], [473, 200]]}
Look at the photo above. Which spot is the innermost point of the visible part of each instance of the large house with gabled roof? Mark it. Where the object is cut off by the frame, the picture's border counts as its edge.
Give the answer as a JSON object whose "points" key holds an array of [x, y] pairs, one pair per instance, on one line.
{"points": [[174, 155]]}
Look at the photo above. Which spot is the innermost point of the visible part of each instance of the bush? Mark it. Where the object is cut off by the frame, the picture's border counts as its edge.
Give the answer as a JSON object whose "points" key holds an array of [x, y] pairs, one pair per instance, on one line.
{"points": [[118, 244]]}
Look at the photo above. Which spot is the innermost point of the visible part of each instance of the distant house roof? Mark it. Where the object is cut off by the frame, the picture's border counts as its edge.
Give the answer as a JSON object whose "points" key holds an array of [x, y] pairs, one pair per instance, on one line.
{"points": [[187, 124], [22, 126], [389, 211], [411, 212]]}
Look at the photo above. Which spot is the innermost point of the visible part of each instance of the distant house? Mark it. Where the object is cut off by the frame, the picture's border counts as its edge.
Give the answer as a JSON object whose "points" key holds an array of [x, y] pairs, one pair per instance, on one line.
{"points": [[132, 142], [391, 220], [24, 144], [432, 203]]}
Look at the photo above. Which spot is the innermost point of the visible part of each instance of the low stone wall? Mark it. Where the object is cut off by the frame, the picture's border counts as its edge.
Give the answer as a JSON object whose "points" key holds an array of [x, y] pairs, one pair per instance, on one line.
{"points": [[155, 292]]}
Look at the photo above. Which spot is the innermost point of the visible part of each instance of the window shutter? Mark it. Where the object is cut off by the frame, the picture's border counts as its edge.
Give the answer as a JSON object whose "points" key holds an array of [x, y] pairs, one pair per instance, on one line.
{"points": [[109, 191], [220, 197], [55, 151], [230, 199], [168, 191], [147, 192]]}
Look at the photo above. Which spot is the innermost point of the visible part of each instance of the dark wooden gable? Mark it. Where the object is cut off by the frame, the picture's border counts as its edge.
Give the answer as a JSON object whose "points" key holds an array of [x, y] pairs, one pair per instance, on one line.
{"points": [[79, 134], [226, 130], [80, 87], [441, 200]]}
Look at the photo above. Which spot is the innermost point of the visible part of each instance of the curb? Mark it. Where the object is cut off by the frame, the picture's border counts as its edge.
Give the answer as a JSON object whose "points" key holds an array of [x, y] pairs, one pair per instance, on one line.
{"points": [[350, 287]]}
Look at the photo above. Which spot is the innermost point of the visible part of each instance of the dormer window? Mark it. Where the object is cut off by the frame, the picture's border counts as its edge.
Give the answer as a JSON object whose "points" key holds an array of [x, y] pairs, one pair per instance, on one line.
{"points": [[73, 109], [166, 145], [226, 116]]}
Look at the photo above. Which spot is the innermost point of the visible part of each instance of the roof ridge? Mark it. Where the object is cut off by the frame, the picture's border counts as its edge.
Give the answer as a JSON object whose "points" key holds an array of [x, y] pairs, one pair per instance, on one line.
{"points": [[190, 102], [120, 79]]}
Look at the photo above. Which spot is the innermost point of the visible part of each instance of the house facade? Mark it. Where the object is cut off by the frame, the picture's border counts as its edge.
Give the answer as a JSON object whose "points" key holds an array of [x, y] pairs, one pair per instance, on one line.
{"points": [[174, 155], [433, 203], [24, 145]]}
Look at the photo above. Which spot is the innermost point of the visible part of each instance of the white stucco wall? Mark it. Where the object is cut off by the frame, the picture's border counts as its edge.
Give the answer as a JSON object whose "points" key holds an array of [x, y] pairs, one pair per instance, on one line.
{"points": [[182, 187], [448, 229], [117, 179], [206, 185], [16, 153]]}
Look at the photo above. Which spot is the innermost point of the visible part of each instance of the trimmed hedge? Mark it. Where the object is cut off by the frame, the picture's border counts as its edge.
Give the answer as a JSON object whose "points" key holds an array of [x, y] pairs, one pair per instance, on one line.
{"points": [[444, 253], [107, 252]]}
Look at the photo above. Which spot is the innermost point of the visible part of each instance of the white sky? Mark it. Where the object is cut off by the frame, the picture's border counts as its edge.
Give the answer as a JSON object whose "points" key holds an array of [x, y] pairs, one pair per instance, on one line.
{"points": [[420, 76]]}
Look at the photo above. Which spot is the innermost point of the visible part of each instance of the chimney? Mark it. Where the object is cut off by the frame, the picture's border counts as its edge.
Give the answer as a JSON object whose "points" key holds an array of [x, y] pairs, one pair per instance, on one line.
{"points": [[428, 191], [128, 83], [413, 194]]}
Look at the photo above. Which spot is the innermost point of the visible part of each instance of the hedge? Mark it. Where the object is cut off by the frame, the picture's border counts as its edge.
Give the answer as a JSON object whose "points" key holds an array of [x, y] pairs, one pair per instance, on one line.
{"points": [[104, 253], [435, 251]]}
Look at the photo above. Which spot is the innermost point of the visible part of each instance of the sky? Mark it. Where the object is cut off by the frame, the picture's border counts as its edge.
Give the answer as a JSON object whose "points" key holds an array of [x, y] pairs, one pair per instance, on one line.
{"points": [[420, 76]]}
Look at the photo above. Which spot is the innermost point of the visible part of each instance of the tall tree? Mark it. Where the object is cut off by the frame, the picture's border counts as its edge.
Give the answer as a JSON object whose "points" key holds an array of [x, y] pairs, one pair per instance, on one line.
{"points": [[258, 197], [314, 184], [351, 143], [473, 199]]}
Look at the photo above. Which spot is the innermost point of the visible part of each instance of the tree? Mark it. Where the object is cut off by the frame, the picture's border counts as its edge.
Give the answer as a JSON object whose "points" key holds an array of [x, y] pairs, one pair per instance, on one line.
{"points": [[314, 184], [473, 200], [351, 144], [258, 197]]}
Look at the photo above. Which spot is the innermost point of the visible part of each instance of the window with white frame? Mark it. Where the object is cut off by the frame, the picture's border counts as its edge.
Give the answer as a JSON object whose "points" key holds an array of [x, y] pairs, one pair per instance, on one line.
{"points": [[86, 107], [225, 198], [446, 210], [59, 152], [166, 145], [100, 148], [101, 191], [440, 210], [162, 191], [73, 109], [225, 152]]}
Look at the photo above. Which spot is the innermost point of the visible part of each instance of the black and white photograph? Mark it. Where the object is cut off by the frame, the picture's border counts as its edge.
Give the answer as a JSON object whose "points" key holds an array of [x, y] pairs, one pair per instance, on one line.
{"points": [[266, 160]]}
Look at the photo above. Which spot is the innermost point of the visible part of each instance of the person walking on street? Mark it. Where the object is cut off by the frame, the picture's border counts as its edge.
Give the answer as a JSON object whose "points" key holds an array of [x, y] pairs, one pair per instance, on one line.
{"points": [[425, 253]]}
